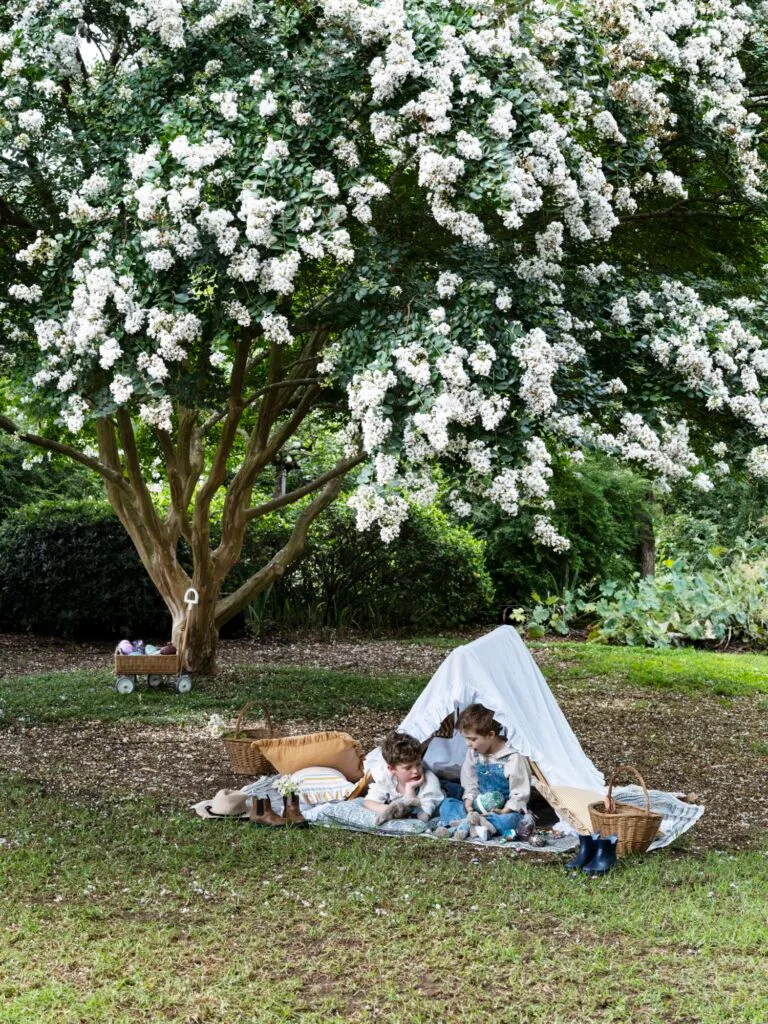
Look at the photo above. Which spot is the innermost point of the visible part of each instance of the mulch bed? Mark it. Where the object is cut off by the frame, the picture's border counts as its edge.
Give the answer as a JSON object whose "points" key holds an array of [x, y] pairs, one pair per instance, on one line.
{"points": [[702, 745]]}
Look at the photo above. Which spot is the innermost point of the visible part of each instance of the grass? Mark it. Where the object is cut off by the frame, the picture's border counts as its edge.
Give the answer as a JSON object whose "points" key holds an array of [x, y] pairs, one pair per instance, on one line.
{"points": [[289, 692], [134, 913], [323, 693], [685, 669]]}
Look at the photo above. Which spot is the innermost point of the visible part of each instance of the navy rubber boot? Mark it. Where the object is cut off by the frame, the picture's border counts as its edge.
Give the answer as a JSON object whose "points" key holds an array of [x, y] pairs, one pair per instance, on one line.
{"points": [[587, 850], [605, 856]]}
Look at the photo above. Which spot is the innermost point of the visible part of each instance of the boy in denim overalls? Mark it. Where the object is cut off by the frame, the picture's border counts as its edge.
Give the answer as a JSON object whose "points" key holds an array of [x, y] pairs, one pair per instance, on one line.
{"points": [[491, 766]]}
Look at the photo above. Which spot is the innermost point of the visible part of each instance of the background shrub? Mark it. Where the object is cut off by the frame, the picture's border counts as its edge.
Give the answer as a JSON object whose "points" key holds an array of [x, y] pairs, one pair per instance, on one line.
{"points": [[432, 576], [599, 507], [724, 600], [69, 569], [28, 476]]}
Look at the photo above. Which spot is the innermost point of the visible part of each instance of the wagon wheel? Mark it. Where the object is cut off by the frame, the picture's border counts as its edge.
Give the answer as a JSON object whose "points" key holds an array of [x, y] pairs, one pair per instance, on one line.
{"points": [[184, 683], [154, 681], [125, 684]]}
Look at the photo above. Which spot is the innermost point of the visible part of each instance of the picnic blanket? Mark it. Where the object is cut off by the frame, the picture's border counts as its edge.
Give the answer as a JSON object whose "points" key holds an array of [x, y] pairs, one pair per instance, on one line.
{"points": [[678, 817]]}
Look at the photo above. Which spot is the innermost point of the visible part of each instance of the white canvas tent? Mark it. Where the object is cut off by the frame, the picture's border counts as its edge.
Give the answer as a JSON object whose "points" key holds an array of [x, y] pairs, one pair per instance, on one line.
{"points": [[498, 671]]}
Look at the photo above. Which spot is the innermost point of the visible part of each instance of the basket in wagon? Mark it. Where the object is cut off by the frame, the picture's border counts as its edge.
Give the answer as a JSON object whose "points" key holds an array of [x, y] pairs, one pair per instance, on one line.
{"points": [[155, 666]]}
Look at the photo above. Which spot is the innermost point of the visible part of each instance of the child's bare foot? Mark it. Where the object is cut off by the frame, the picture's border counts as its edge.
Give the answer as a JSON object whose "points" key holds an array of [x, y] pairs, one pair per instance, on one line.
{"points": [[444, 832]]}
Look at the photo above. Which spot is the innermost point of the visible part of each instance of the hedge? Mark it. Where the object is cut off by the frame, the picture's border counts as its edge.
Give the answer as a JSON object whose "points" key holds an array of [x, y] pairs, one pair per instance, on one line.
{"points": [[69, 569]]}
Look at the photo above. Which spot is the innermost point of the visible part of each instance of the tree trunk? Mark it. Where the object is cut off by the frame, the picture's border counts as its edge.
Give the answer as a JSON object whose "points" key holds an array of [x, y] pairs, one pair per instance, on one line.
{"points": [[647, 539], [199, 643]]}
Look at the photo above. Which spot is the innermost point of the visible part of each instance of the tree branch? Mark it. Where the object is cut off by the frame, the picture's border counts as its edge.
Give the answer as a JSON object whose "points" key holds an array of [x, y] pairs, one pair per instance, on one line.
{"points": [[233, 415], [128, 444], [63, 449], [177, 520], [340, 469], [675, 211], [14, 219], [235, 602], [290, 382]]}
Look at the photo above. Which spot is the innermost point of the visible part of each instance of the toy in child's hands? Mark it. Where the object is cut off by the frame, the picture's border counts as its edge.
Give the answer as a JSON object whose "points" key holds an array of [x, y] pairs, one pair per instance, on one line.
{"points": [[486, 803], [394, 811], [526, 827]]}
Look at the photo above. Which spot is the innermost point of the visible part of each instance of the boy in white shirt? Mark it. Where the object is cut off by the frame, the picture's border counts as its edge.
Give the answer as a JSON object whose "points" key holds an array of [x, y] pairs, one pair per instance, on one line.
{"points": [[407, 789]]}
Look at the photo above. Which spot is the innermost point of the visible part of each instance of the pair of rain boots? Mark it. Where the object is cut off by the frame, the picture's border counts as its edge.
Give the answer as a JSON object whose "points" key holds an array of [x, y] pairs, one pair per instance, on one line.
{"points": [[262, 813], [596, 856]]}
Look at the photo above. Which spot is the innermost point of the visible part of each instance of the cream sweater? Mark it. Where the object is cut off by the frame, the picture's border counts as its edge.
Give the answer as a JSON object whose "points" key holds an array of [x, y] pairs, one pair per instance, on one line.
{"points": [[515, 769]]}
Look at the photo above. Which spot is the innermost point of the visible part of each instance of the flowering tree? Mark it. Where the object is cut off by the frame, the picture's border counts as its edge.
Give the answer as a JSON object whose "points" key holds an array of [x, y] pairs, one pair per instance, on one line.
{"points": [[432, 227]]}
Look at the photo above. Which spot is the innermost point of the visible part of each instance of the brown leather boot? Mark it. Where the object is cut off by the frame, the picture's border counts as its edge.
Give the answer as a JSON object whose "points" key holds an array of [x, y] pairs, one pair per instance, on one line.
{"points": [[262, 813], [291, 812]]}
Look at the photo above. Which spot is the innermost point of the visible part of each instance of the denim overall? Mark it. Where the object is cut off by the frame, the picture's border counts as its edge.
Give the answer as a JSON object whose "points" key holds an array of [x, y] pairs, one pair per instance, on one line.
{"points": [[490, 777]]}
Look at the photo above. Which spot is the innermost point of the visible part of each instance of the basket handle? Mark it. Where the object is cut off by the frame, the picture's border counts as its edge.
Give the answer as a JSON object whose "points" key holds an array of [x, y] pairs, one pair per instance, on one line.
{"points": [[241, 718], [629, 768], [268, 719]]}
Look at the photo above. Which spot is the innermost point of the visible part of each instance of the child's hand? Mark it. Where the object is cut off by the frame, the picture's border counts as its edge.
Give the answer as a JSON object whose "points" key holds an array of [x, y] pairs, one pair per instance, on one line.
{"points": [[468, 804], [409, 791]]}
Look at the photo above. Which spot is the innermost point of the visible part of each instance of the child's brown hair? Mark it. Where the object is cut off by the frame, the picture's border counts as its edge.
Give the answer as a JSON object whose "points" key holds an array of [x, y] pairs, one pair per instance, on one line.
{"points": [[480, 720], [400, 748]]}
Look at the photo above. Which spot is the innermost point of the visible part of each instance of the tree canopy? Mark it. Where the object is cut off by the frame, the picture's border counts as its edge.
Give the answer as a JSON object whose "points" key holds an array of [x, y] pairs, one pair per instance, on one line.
{"points": [[483, 236]]}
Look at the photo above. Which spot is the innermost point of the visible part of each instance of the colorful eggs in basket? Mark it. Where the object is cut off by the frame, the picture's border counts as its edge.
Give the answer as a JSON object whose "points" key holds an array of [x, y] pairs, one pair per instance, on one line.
{"points": [[125, 647], [168, 649]]}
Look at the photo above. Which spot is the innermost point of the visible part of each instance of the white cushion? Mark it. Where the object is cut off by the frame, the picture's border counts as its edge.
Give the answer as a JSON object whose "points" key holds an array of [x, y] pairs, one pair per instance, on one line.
{"points": [[322, 785]]}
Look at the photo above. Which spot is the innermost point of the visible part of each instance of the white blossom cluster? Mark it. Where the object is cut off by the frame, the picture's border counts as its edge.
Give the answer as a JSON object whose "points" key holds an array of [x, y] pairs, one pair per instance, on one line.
{"points": [[526, 136], [371, 506]]}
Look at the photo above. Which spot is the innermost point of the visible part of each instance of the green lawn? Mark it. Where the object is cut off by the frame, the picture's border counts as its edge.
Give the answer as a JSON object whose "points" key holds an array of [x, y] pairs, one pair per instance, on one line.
{"points": [[289, 692], [683, 669], [321, 693], [132, 913], [128, 911]]}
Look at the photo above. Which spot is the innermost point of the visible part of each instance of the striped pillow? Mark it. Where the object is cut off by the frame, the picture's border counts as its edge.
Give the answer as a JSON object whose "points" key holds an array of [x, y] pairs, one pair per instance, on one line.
{"points": [[322, 785]]}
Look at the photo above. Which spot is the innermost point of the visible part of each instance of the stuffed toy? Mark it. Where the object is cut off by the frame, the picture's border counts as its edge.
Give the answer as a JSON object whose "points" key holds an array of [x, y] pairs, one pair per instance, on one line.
{"points": [[486, 803], [401, 809]]}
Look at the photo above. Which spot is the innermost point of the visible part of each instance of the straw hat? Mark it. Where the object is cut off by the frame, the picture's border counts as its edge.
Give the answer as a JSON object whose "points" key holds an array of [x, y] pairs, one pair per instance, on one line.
{"points": [[227, 803]]}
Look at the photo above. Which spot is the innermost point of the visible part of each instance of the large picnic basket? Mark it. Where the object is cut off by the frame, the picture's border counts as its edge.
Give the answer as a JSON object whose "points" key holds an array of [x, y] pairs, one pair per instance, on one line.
{"points": [[243, 752], [635, 827]]}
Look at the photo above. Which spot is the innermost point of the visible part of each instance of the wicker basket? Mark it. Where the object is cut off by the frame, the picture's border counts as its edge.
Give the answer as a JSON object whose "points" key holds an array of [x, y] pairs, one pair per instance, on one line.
{"points": [[636, 828], [147, 664], [244, 754]]}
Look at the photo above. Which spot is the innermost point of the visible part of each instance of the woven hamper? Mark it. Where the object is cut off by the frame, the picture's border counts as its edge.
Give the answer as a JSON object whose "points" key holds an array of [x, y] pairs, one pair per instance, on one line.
{"points": [[636, 828], [244, 754]]}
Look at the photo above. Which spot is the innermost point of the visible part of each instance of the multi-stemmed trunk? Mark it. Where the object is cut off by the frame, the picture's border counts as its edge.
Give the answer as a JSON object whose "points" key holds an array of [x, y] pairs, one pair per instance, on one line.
{"points": [[267, 403]]}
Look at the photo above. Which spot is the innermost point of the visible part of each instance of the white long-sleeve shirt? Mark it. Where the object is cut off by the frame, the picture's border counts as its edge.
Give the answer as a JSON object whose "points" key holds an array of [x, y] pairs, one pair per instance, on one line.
{"points": [[516, 771], [429, 794]]}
